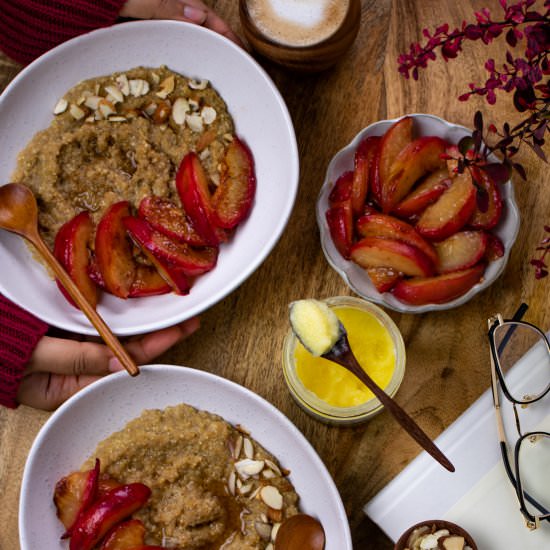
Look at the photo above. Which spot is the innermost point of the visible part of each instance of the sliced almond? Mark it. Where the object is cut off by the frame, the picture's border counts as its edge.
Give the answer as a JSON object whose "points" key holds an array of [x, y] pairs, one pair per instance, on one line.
{"points": [[452, 542], [231, 482], [245, 488], [138, 87], [248, 448], [275, 530], [271, 496], [208, 115], [194, 105], [117, 118], [255, 493], [92, 102], [198, 84], [166, 87], [194, 122], [228, 138], [106, 108], [273, 466], [179, 110], [236, 451], [77, 112], [60, 106], [268, 473], [155, 78], [123, 84], [269, 546], [263, 529], [247, 467], [114, 95]]}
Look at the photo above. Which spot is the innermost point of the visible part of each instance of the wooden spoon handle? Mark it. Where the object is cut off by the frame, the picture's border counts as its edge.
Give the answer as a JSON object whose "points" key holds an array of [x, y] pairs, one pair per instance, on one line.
{"points": [[349, 361], [97, 321]]}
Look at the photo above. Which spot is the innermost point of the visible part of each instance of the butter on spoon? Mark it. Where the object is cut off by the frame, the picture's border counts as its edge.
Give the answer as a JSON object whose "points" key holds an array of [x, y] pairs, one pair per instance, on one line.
{"points": [[322, 334]]}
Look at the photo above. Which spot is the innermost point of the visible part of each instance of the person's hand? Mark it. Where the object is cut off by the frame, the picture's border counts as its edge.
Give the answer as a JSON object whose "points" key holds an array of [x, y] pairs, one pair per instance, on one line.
{"points": [[191, 11], [59, 367]]}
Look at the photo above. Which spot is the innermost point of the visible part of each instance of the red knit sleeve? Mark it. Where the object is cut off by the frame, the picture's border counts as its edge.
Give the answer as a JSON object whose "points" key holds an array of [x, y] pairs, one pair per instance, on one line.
{"points": [[29, 28], [19, 334]]}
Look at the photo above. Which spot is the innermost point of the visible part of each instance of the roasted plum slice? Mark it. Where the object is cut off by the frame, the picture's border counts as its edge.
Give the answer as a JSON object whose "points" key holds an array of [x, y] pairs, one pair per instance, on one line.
{"points": [[383, 278], [363, 160], [73, 494], [426, 193], [170, 219], [439, 289], [451, 211], [148, 282], [461, 250], [341, 191], [418, 158], [396, 138], [125, 535], [113, 250], [71, 249], [233, 197], [103, 514], [340, 223], [194, 193], [180, 255], [383, 225], [391, 253]]}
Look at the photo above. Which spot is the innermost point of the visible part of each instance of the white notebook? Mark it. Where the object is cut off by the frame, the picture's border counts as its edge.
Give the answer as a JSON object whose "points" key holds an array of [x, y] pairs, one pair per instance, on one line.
{"points": [[478, 496]]}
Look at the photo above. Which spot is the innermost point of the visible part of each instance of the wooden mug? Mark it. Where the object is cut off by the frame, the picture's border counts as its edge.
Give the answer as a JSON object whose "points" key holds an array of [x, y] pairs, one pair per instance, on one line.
{"points": [[309, 58]]}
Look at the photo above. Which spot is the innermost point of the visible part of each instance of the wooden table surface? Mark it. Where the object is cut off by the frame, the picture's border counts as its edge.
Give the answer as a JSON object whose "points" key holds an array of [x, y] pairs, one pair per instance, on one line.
{"points": [[447, 354]]}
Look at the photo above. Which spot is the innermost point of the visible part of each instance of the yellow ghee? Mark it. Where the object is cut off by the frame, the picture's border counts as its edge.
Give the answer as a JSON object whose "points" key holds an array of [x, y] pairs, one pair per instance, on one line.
{"points": [[373, 347]]}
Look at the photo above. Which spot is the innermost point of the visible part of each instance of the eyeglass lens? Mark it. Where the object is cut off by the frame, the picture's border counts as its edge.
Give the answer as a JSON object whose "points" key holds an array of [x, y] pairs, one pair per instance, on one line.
{"points": [[519, 343], [534, 465]]}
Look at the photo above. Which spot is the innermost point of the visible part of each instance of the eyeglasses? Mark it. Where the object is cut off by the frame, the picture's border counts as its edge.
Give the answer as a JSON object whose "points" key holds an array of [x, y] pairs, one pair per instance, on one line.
{"points": [[514, 342]]}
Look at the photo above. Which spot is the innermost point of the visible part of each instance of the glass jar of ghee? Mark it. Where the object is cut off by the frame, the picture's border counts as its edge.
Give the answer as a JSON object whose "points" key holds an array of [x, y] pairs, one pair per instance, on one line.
{"points": [[328, 391]]}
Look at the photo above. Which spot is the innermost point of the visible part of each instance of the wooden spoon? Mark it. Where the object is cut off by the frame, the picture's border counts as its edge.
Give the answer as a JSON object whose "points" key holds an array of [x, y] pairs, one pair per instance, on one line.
{"points": [[342, 354], [323, 334], [19, 214], [300, 532]]}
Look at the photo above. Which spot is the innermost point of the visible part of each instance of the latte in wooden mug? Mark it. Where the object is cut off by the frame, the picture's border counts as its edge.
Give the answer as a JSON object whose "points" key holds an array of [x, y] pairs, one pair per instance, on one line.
{"points": [[307, 35]]}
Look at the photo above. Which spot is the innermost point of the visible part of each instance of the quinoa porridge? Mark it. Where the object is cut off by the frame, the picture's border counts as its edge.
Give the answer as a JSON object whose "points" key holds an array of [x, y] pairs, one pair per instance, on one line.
{"points": [[122, 137], [213, 486]]}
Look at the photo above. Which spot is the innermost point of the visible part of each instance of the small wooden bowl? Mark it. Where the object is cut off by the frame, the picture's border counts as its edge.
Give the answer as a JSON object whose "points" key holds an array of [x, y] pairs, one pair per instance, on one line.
{"points": [[454, 529], [309, 59]]}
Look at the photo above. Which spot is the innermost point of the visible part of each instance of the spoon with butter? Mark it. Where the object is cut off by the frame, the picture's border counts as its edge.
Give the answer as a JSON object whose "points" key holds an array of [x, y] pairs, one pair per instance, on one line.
{"points": [[323, 335]]}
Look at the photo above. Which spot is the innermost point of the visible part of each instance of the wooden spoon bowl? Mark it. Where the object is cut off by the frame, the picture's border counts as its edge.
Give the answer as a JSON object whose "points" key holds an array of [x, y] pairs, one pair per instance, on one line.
{"points": [[300, 532]]}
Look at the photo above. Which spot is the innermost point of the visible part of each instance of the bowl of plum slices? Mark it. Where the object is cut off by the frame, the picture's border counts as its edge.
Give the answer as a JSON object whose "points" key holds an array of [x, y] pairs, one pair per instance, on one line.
{"points": [[403, 227]]}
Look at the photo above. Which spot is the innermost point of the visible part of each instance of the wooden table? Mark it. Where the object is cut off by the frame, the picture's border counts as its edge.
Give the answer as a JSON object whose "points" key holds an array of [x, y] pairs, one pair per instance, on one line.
{"points": [[447, 362]]}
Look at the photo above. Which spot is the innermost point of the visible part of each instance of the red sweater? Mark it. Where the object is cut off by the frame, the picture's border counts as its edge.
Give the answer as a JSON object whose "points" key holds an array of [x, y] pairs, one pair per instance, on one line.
{"points": [[29, 28], [19, 334]]}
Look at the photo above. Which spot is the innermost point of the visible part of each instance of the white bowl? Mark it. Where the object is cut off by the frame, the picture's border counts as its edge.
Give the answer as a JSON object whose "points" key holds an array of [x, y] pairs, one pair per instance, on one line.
{"points": [[261, 119], [73, 431], [354, 275]]}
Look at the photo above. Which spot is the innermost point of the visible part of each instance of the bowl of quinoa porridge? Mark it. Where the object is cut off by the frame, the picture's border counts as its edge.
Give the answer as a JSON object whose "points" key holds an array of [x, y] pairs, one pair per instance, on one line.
{"points": [[211, 451], [80, 144]]}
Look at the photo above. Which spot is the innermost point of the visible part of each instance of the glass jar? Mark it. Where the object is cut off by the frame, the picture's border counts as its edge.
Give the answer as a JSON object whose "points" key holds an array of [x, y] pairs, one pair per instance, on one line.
{"points": [[321, 409]]}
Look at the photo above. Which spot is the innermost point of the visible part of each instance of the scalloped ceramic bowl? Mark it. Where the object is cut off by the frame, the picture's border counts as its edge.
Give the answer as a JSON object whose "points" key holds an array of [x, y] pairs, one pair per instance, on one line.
{"points": [[355, 276], [73, 431], [27, 105]]}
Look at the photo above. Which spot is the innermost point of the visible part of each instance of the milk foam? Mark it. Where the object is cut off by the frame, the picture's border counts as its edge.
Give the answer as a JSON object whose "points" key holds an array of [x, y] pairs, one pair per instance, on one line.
{"points": [[298, 22]]}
